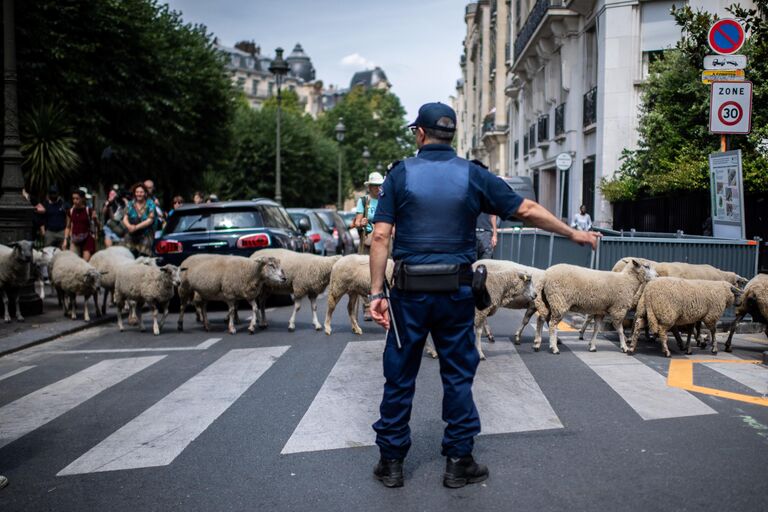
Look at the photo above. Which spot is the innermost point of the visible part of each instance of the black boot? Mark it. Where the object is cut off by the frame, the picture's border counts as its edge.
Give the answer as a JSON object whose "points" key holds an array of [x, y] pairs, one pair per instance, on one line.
{"points": [[462, 471], [389, 472]]}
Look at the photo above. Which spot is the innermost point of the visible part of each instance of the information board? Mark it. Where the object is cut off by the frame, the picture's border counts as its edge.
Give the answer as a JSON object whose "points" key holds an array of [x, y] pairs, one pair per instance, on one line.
{"points": [[727, 193]]}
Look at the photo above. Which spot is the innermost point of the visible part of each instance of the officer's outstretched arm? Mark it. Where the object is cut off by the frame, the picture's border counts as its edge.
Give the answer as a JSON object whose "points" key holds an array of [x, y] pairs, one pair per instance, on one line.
{"points": [[382, 232], [536, 215]]}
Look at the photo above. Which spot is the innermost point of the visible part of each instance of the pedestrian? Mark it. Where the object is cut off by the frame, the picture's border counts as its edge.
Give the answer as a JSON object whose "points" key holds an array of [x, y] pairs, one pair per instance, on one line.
{"points": [[149, 186], [487, 236], [582, 221], [434, 200], [54, 212], [366, 209], [176, 202], [198, 197], [112, 214], [82, 224], [212, 198], [138, 220]]}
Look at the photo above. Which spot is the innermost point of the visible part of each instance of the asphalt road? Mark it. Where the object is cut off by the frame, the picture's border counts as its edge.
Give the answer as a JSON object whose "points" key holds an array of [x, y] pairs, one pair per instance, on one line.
{"points": [[192, 421]]}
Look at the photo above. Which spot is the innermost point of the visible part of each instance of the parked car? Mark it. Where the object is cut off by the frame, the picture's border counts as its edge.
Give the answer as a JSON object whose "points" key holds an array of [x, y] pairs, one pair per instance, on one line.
{"points": [[338, 228], [349, 218], [230, 227], [318, 233]]}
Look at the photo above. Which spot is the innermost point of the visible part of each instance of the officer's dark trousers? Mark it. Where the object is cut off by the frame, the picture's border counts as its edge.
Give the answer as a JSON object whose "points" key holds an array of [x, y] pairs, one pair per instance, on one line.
{"points": [[449, 317]]}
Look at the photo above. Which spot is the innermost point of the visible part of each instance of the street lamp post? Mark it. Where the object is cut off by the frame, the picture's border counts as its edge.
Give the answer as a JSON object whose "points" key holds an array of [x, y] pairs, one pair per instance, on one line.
{"points": [[366, 157], [340, 129], [279, 68]]}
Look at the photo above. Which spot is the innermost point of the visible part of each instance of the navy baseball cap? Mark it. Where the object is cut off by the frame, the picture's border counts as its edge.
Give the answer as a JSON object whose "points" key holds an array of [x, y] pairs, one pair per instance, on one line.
{"points": [[430, 113]]}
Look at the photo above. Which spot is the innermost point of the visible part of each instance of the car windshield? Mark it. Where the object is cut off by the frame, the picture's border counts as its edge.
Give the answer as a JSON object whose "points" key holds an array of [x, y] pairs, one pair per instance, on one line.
{"points": [[196, 221], [296, 217], [236, 220], [327, 218], [189, 223]]}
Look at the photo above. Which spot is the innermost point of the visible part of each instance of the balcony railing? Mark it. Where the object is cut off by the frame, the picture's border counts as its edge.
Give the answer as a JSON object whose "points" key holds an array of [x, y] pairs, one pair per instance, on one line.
{"points": [[525, 144], [590, 107], [531, 23], [560, 119], [532, 136], [507, 51], [542, 128]]}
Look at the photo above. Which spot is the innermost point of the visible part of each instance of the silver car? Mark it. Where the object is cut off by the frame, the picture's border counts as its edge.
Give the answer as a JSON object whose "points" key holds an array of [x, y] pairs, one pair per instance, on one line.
{"points": [[322, 241]]}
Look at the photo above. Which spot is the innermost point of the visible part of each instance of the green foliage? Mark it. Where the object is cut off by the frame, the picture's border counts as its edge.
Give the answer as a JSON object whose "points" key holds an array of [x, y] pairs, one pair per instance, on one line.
{"points": [[374, 119], [48, 146], [134, 77], [674, 142]]}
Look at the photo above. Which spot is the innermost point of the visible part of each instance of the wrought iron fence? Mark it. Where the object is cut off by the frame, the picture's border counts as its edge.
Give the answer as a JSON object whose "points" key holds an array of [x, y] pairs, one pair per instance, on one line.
{"points": [[542, 128], [531, 23], [532, 136], [590, 107], [560, 119]]}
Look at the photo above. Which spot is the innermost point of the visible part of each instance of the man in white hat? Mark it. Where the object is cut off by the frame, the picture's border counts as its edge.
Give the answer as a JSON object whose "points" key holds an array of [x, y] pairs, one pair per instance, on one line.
{"points": [[366, 208]]}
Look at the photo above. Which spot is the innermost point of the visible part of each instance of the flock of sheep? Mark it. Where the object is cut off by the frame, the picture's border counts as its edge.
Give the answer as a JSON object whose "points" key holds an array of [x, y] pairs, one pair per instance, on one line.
{"points": [[665, 296]]}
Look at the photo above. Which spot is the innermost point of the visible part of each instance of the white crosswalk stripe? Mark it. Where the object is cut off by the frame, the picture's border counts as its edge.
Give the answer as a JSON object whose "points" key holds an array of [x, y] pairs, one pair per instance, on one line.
{"points": [[158, 435], [15, 372], [44, 405], [643, 388]]}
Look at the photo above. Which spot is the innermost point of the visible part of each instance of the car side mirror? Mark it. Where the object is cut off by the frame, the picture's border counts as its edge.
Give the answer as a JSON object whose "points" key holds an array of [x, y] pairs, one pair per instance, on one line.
{"points": [[304, 225]]}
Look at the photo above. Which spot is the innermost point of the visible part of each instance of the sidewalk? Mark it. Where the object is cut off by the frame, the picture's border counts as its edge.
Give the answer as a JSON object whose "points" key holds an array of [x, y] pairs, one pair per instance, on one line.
{"points": [[50, 324]]}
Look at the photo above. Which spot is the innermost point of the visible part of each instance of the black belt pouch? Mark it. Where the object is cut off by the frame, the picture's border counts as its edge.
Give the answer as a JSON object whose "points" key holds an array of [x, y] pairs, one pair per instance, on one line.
{"points": [[427, 278]]}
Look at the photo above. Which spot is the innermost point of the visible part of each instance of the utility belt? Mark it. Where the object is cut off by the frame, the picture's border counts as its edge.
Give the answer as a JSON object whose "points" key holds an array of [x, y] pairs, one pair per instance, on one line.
{"points": [[442, 278]]}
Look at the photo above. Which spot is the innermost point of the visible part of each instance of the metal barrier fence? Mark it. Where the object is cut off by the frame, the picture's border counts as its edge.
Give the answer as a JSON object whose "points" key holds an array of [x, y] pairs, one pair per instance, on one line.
{"points": [[541, 249]]}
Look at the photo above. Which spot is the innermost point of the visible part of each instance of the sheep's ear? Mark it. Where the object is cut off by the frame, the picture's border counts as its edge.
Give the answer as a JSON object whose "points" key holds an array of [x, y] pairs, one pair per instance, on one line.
{"points": [[104, 272], [525, 277], [183, 269], [635, 263]]}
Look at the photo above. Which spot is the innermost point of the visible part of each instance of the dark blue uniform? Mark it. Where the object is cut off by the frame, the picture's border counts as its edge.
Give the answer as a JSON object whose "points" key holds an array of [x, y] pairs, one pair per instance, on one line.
{"points": [[434, 200]]}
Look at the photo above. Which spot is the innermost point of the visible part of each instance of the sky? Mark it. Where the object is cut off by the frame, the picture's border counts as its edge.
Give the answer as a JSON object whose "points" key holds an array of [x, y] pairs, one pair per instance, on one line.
{"points": [[417, 43]]}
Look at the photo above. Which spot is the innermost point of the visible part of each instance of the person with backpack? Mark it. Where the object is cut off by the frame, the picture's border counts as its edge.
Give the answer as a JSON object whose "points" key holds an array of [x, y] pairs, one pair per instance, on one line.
{"points": [[138, 220], [81, 225], [366, 208], [53, 213]]}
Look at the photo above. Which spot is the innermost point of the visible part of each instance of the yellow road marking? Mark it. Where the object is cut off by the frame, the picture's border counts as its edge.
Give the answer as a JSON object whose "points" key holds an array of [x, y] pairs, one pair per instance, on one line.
{"points": [[562, 326], [681, 376]]}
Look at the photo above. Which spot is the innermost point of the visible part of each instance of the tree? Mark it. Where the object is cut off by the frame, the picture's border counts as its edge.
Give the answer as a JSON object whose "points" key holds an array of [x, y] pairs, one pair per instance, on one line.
{"points": [[131, 75], [674, 142], [374, 119]]}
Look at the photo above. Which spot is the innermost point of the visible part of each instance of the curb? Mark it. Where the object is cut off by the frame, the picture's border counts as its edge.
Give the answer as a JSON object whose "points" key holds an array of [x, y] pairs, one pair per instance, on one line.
{"points": [[24, 340]]}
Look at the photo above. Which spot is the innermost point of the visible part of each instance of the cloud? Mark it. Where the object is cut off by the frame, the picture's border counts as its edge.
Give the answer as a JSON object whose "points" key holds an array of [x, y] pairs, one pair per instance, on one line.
{"points": [[355, 60]]}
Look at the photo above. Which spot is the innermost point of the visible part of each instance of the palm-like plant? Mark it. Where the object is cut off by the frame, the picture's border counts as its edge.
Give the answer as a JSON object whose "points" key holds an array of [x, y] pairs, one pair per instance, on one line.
{"points": [[48, 146]]}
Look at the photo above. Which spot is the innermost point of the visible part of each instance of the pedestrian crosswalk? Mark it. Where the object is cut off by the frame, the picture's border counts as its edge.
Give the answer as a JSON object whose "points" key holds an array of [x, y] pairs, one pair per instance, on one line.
{"points": [[508, 396]]}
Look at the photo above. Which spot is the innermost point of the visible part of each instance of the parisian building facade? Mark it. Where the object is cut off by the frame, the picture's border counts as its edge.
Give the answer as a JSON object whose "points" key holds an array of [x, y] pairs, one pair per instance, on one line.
{"points": [[543, 77]]}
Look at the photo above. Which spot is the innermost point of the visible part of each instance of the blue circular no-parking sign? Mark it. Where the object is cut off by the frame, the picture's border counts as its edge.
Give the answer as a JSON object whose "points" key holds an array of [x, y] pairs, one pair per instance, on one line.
{"points": [[726, 36]]}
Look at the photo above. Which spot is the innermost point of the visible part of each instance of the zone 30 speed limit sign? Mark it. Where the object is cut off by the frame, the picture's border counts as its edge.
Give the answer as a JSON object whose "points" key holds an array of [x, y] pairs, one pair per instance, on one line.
{"points": [[730, 107]]}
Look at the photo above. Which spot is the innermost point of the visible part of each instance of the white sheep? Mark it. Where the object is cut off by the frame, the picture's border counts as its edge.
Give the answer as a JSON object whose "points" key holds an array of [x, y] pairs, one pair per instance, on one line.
{"points": [[670, 302], [570, 288], [704, 272], [15, 271], [351, 276], [307, 275], [108, 261], [145, 284], [754, 303], [41, 261], [207, 277], [72, 276]]}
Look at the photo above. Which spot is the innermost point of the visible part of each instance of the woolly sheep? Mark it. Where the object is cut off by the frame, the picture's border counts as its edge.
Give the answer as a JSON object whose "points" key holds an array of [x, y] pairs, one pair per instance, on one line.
{"points": [[41, 261], [669, 302], [145, 284], [307, 275], [754, 303], [704, 272], [570, 288], [72, 276], [15, 268], [228, 279], [108, 261], [351, 276]]}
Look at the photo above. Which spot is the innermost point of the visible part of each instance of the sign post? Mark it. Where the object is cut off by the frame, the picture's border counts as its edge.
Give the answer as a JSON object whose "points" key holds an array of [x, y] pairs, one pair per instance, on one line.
{"points": [[727, 195]]}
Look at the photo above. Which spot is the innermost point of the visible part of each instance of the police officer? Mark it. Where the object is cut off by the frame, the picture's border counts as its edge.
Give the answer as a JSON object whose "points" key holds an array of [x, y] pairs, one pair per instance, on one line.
{"points": [[433, 254]]}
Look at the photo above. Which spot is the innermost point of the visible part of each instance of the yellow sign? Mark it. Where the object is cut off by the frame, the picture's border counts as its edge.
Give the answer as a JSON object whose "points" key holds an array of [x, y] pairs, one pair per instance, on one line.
{"points": [[681, 376], [727, 75]]}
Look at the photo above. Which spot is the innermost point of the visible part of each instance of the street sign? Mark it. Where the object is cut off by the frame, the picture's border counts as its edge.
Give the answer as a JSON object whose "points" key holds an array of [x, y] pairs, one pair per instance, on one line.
{"points": [[725, 75], [564, 161], [725, 62], [726, 36], [730, 107], [727, 193]]}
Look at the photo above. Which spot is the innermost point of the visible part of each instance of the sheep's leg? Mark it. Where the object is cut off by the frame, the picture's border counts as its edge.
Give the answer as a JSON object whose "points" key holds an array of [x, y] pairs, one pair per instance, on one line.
{"points": [[712, 331], [139, 318], [263, 312], [155, 325], [315, 321], [700, 341], [96, 303], [479, 339], [231, 308], [526, 318], [254, 313], [204, 315], [331, 306], [429, 348], [166, 307], [86, 312], [663, 338], [553, 321], [488, 332], [120, 316], [676, 332], [182, 309], [590, 318], [19, 317], [352, 310], [639, 326], [732, 330], [598, 322], [73, 306], [104, 302], [292, 320], [7, 317], [537, 335]]}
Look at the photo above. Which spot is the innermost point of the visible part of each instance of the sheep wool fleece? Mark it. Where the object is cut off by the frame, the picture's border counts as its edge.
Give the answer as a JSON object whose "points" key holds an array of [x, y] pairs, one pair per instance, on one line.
{"points": [[435, 181]]}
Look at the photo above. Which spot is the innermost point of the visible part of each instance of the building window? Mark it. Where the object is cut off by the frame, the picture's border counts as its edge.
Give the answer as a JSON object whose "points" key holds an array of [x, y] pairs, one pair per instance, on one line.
{"points": [[560, 119], [270, 86], [525, 144], [542, 128], [532, 136], [588, 185], [255, 87], [241, 82], [590, 107], [517, 149]]}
